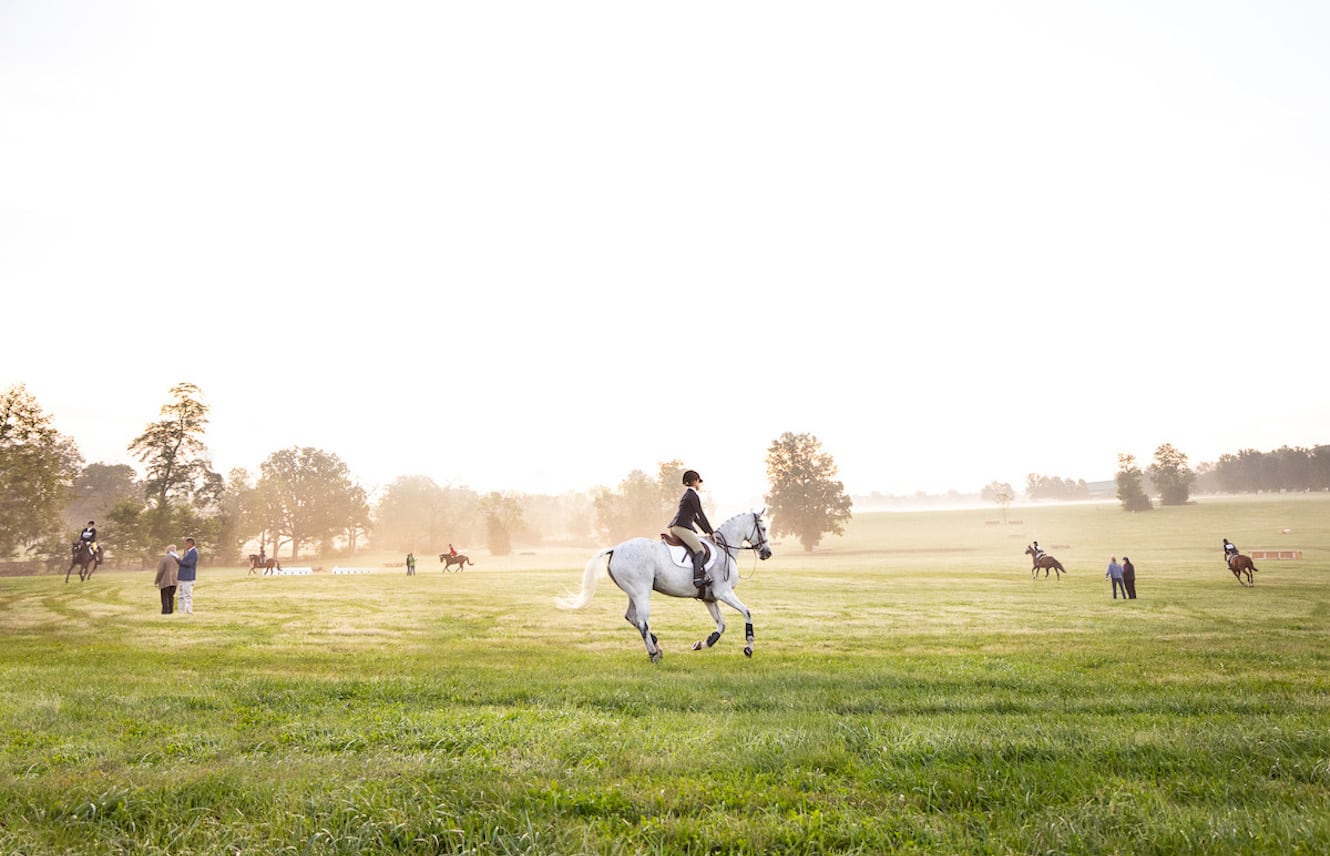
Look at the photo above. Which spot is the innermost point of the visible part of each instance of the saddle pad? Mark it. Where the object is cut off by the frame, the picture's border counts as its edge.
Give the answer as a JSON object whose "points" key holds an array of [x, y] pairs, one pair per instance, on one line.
{"points": [[683, 557]]}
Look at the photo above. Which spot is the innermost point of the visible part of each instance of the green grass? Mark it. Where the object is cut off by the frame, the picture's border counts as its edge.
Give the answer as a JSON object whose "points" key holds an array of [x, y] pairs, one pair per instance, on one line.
{"points": [[912, 690]]}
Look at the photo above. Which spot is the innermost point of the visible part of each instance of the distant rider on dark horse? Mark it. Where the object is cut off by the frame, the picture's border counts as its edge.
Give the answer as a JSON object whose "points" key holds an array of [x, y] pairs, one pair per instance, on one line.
{"points": [[1229, 552], [1038, 551], [88, 536], [681, 527]]}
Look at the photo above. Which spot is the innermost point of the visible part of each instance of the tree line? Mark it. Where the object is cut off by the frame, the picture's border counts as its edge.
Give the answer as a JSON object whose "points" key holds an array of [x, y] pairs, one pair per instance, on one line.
{"points": [[304, 499]]}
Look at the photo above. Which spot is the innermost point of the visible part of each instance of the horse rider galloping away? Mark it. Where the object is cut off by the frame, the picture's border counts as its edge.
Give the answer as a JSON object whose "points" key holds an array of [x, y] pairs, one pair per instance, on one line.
{"points": [[690, 513], [1229, 552]]}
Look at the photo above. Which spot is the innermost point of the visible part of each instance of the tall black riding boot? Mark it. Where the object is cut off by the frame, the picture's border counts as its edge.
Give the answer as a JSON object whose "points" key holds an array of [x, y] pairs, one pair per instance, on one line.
{"points": [[699, 572]]}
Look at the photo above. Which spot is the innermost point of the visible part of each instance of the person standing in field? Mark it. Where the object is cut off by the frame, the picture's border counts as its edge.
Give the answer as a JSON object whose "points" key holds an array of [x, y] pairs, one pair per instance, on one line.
{"points": [[168, 569], [1114, 573], [690, 513], [1128, 578], [188, 574], [410, 564]]}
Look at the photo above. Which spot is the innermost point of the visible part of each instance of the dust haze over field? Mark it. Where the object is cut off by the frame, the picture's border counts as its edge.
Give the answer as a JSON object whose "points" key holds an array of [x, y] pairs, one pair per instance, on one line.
{"points": [[534, 248]]}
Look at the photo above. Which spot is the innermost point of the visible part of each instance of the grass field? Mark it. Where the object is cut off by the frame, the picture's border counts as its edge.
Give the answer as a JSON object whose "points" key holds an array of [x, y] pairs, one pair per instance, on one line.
{"points": [[912, 691]]}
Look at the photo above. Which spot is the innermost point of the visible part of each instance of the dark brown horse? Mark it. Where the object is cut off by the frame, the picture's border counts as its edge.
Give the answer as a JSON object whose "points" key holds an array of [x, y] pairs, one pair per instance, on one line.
{"points": [[459, 560], [1046, 562], [267, 564], [83, 556], [1239, 565]]}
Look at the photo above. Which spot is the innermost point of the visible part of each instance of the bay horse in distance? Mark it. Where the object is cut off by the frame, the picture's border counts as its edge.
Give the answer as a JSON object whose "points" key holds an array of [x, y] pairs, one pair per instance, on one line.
{"points": [[460, 560], [1239, 565], [83, 556], [255, 562], [1046, 562]]}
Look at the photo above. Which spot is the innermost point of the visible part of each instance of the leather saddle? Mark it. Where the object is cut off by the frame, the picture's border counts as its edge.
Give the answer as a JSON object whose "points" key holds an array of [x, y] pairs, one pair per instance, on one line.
{"points": [[682, 554]]}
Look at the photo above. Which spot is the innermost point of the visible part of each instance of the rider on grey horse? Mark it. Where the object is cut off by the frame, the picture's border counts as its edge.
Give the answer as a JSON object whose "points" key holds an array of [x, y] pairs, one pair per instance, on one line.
{"points": [[681, 527]]}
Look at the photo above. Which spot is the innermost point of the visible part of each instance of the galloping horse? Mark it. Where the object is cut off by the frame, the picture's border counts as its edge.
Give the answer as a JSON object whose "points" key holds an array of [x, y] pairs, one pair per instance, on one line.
{"points": [[640, 565], [1240, 564], [267, 564], [460, 560], [1046, 562], [84, 556]]}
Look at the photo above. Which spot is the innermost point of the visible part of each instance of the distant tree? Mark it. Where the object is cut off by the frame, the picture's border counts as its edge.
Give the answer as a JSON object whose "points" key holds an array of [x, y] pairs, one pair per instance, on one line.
{"points": [[641, 503], [1130, 492], [503, 518], [178, 472], [416, 514], [1000, 493], [308, 494], [669, 483], [992, 492], [98, 489], [805, 499], [239, 515], [1052, 487], [1171, 475], [37, 467]]}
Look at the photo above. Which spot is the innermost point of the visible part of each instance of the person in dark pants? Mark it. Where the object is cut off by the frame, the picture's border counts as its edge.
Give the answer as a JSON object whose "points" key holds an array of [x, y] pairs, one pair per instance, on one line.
{"points": [[1114, 573], [1129, 577], [167, 569]]}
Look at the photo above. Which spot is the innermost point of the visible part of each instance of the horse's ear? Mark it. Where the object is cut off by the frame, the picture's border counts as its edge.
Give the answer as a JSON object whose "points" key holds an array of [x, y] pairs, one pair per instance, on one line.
{"points": [[763, 512]]}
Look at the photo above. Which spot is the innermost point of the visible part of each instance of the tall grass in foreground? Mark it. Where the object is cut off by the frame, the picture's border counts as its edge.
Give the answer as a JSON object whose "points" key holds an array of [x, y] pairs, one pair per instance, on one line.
{"points": [[912, 690]]}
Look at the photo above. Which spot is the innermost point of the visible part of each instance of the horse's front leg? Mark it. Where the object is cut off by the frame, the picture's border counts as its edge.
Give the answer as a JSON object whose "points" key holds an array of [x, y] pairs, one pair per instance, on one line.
{"points": [[714, 609], [729, 598]]}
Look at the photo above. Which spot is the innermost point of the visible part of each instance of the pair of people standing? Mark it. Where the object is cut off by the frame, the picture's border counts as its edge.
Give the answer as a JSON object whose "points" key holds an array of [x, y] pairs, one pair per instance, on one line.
{"points": [[176, 575], [1123, 577]]}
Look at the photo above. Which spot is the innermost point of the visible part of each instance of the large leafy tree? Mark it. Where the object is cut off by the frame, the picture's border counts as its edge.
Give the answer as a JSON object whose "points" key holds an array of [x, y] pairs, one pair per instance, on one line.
{"points": [[1171, 475], [1131, 492], [37, 467], [806, 500], [309, 496], [180, 485]]}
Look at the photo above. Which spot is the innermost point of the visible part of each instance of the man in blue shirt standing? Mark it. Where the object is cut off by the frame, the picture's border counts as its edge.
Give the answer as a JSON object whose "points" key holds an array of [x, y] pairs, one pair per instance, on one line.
{"points": [[1114, 573], [189, 564]]}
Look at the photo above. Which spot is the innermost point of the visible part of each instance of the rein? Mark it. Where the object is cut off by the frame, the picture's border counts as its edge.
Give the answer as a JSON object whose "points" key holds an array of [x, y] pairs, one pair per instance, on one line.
{"points": [[732, 549]]}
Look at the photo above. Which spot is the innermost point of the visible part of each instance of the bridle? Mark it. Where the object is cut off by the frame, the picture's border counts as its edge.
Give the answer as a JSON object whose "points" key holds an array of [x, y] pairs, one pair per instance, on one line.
{"points": [[757, 527]]}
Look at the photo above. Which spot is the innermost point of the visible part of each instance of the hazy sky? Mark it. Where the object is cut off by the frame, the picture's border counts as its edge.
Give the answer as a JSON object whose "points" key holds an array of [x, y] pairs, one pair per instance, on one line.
{"points": [[534, 246]]}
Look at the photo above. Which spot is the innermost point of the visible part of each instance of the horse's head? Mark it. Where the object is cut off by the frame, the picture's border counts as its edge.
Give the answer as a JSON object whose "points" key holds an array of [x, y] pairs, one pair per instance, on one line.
{"points": [[757, 536], [1029, 551]]}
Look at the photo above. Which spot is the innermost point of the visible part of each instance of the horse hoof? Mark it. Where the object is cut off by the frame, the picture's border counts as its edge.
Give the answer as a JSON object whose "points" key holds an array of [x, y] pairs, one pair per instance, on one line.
{"points": [[698, 646], [655, 658], [748, 651]]}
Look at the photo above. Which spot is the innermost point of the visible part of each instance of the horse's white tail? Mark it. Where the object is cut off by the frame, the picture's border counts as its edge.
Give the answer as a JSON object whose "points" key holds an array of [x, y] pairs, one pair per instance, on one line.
{"points": [[590, 577]]}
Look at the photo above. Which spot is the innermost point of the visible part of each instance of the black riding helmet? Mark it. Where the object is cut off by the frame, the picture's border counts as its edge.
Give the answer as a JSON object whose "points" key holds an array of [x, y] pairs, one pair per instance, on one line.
{"points": [[690, 476]]}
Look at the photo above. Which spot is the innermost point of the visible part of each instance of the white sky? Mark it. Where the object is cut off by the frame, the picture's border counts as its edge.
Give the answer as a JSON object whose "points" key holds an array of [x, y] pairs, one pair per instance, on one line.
{"points": [[534, 246]]}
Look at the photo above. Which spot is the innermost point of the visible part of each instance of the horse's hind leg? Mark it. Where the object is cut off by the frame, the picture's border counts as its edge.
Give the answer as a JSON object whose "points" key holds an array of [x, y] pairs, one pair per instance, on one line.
{"points": [[714, 609], [639, 615]]}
